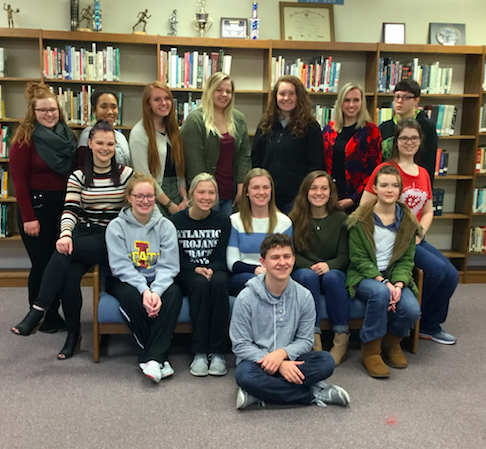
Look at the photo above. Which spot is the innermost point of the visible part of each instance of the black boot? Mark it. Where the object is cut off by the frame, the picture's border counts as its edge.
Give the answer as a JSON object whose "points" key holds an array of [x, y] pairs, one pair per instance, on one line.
{"points": [[53, 323], [72, 345], [30, 323]]}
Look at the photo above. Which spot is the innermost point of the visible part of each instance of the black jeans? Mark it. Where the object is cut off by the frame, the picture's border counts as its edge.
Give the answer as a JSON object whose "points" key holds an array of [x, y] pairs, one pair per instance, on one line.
{"points": [[63, 273]]}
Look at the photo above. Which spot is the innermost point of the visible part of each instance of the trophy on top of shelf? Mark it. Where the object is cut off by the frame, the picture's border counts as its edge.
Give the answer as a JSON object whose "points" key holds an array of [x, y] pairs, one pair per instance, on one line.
{"points": [[86, 14], [74, 15], [173, 23], [97, 16], [201, 21], [142, 18], [10, 13]]}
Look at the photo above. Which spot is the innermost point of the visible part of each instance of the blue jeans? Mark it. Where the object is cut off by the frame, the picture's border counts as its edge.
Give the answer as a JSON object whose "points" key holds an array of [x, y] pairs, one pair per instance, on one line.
{"points": [[377, 320], [332, 285], [275, 389], [237, 282], [440, 281]]}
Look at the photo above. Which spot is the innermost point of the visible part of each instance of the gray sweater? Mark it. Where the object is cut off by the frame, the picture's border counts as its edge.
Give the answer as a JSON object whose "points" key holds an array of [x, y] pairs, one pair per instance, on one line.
{"points": [[262, 323]]}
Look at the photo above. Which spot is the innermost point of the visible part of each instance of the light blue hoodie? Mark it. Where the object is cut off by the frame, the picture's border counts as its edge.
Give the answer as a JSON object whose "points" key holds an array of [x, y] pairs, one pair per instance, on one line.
{"points": [[262, 323], [144, 256]]}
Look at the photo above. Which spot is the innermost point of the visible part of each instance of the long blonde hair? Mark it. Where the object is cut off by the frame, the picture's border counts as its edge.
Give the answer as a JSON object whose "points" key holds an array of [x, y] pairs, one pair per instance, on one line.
{"points": [[207, 104], [363, 116], [245, 204]]}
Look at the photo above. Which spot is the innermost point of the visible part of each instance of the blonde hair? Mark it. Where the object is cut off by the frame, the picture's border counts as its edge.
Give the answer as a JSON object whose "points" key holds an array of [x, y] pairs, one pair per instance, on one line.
{"points": [[245, 204], [200, 178], [207, 104], [363, 116]]}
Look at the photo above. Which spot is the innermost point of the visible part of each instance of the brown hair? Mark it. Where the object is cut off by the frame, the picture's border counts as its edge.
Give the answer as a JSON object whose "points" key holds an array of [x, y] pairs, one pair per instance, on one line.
{"points": [[300, 118], [389, 170], [171, 128], [401, 125], [274, 240], [245, 205], [301, 215], [33, 92]]}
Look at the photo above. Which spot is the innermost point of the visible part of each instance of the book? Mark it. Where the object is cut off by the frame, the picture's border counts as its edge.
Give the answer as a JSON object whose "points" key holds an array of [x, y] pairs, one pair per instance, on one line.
{"points": [[2, 61], [437, 201], [437, 161]]}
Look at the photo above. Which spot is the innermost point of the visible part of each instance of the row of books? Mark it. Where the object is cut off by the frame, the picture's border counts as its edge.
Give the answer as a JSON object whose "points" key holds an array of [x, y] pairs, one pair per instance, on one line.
{"points": [[437, 201], [432, 78], [482, 119], [481, 160], [320, 75], [479, 201], [77, 105], [323, 115], [2, 105], [4, 225], [384, 114], [191, 70], [3, 183], [444, 116], [68, 63], [184, 108], [441, 162], [476, 239], [3, 58], [5, 132]]}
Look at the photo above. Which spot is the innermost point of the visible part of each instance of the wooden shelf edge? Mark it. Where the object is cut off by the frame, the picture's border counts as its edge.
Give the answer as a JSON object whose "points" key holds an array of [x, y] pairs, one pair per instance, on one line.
{"points": [[450, 254], [451, 216], [453, 178]]}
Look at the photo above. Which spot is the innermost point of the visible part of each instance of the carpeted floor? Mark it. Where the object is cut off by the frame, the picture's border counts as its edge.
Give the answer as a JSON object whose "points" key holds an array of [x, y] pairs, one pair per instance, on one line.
{"points": [[439, 401]]}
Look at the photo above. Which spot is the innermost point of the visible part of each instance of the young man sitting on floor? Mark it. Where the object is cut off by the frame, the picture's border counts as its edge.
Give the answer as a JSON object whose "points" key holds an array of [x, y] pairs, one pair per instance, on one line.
{"points": [[272, 331]]}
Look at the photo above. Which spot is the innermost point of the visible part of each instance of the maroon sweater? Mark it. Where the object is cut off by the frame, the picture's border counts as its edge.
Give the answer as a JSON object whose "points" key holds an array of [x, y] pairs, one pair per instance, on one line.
{"points": [[29, 171]]}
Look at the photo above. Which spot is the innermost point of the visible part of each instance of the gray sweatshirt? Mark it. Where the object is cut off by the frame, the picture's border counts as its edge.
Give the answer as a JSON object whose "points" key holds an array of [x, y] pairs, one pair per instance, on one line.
{"points": [[144, 256], [262, 323]]}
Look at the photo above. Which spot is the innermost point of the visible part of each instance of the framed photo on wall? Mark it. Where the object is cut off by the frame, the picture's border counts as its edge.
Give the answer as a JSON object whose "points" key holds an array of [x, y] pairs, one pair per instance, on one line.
{"points": [[306, 22], [394, 33], [447, 33]]}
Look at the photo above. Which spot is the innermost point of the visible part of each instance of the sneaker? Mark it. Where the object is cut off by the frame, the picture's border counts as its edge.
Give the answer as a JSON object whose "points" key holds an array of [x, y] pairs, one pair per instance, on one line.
{"points": [[152, 370], [166, 370], [441, 337], [199, 366], [243, 399], [329, 394], [217, 366]]}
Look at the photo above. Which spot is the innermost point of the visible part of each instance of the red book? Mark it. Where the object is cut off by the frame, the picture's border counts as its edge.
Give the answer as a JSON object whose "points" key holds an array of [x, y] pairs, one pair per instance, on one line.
{"points": [[437, 161]]}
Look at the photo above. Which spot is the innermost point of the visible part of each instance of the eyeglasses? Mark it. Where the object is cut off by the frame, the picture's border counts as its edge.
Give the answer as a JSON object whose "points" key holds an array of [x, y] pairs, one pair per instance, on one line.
{"points": [[405, 139], [44, 111], [403, 97], [139, 198]]}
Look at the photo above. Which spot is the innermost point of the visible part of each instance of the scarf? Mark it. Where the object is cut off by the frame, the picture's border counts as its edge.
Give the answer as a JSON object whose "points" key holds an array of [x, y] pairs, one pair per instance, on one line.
{"points": [[56, 147]]}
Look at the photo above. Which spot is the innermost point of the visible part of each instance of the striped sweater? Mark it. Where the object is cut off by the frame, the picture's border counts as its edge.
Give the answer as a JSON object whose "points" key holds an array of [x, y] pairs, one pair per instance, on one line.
{"points": [[97, 204]]}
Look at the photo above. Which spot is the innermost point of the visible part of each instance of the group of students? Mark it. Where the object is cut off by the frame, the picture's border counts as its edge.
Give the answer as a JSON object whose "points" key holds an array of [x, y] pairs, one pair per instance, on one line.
{"points": [[369, 255]]}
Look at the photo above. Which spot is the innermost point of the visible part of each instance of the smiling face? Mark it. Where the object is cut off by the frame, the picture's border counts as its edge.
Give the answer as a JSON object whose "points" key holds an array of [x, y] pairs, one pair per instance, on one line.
{"points": [[259, 191], [352, 104], [160, 102], [319, 193], [47, 112], [204, 196], [408, 143], [222, 95], [102, 143], [142, 199], [286, 98], [387, 188], [278, 263], [107, 108]]}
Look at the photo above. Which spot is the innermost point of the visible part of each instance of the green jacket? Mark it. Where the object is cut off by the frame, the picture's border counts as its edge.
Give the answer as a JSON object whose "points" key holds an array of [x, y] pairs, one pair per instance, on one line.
{"points": [[362, 249], [201, 151]]}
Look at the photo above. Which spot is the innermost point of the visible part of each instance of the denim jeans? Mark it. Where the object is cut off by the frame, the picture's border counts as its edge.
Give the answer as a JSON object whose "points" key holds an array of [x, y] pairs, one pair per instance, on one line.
{"points": [[377, 320], [440, 281], [237, 282], [332, 285], [275, 389]]}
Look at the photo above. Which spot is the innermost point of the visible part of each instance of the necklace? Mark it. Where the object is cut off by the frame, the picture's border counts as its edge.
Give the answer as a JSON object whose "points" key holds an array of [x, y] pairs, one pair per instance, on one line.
{"points": [[97, 166], [318, 226]]}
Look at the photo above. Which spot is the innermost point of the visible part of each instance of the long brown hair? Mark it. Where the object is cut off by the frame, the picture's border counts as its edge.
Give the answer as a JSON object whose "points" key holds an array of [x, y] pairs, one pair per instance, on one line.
{"points": [[245, 205], [33, 92], [301, 214], [300, 117], [171, 128], [401, 125]]}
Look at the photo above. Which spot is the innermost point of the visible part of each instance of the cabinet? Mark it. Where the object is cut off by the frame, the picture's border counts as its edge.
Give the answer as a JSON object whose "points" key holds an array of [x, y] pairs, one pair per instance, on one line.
{"points": [[251, 71]]}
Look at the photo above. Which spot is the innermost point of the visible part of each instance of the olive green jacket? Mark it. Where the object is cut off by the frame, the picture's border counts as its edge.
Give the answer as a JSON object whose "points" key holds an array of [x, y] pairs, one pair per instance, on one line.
{"points": [[201, 151], [362, 249]]}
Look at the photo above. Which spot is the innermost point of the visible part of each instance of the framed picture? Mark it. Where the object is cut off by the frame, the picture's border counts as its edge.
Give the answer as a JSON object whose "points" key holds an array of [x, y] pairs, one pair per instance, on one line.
{"points": [[394, 33], [447, 33], [234, 28], [306, 22]]}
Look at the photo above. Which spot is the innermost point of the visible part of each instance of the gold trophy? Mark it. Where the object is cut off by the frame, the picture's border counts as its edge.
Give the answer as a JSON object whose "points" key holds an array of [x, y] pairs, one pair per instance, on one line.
{"points": [[201, 21]]}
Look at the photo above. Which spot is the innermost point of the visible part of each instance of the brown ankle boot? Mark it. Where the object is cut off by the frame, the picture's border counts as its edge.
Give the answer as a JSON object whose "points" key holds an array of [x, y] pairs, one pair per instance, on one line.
{"points": [[392, 351], [339, 347], [317, 343], [371, 353]]}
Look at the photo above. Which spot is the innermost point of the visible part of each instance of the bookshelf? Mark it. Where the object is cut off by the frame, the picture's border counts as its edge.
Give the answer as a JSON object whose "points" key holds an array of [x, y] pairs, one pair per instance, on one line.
{"points": [[251, 70]]}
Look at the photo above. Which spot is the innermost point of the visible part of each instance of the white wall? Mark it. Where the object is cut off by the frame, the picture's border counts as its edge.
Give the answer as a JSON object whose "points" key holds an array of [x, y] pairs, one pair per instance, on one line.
{"points": [[355, 21]]}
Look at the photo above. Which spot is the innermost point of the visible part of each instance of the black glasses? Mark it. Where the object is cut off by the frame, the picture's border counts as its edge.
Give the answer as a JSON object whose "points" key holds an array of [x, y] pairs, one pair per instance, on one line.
{"points": [[405, 139], [403, 97], [139, 198]]}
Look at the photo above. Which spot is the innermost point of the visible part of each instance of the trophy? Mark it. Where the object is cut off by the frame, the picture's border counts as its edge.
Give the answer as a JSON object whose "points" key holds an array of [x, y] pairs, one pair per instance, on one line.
{"points": [[201, 21]]}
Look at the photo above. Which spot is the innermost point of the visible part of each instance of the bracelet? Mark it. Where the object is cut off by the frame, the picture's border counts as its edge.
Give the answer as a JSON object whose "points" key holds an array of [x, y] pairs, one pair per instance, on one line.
{"points": [[385, 281], [168, 204], [185, 197]]}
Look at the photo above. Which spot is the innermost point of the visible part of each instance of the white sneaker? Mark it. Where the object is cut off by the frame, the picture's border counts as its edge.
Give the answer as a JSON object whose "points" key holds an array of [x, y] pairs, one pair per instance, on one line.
{"points": [[199, 366], [217, 367], [152, 370], [329, 394], [244, 399], [166, 370]]}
